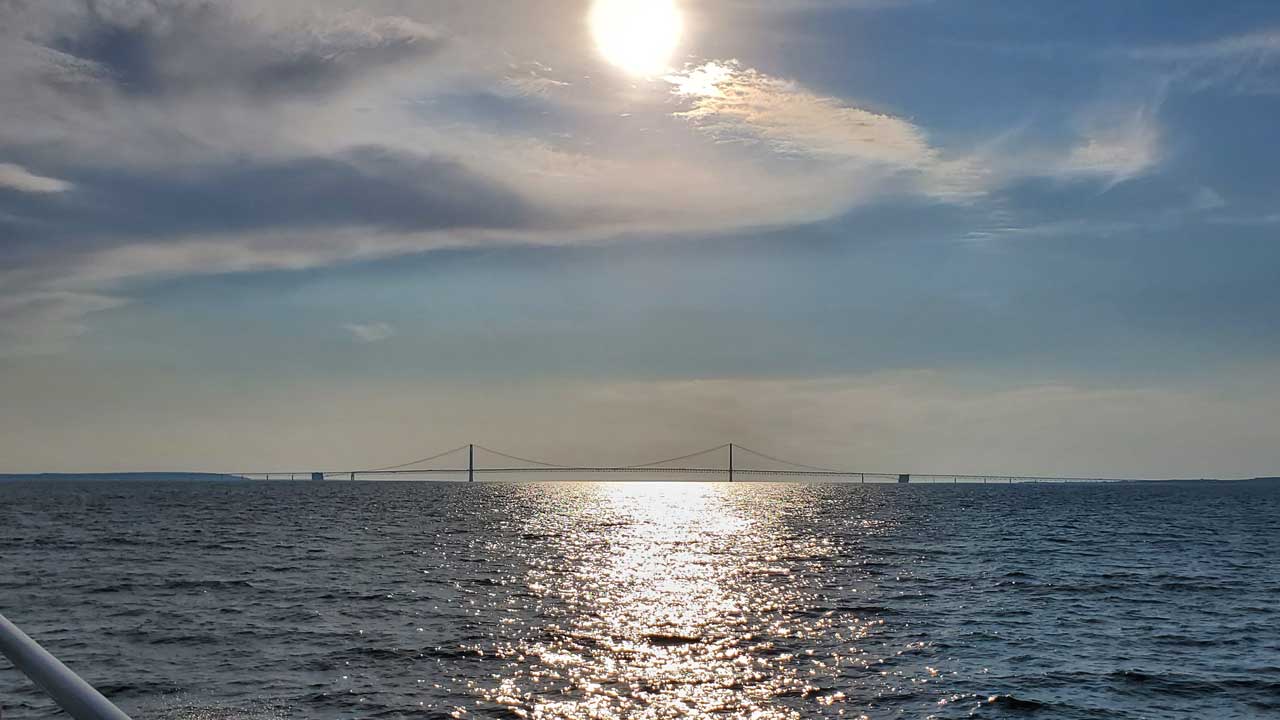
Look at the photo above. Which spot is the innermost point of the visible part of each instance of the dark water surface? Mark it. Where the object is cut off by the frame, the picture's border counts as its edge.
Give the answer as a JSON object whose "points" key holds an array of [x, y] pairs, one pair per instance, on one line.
{"points": [[327, 600]]}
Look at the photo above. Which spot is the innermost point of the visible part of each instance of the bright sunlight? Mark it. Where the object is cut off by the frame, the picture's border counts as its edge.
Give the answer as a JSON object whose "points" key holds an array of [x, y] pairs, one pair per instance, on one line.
{"points": [[638, 36]]}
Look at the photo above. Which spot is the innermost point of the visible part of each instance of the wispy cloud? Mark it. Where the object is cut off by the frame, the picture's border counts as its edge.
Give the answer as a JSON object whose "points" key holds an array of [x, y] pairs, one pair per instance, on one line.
{"points": [[1244, 63], [740, 106], [370, 332], [1206, 198], [16, 177], [1118, 148], [1107, 144], [734, 104], [42, 323], [1259, 45]]}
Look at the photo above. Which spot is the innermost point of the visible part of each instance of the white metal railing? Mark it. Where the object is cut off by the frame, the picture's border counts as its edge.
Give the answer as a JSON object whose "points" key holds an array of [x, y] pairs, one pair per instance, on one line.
{"points": [[69, 690]]}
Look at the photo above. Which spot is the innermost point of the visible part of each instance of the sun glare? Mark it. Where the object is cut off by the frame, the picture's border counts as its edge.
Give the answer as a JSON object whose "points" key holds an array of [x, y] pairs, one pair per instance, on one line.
{"points": [[638, 36]]}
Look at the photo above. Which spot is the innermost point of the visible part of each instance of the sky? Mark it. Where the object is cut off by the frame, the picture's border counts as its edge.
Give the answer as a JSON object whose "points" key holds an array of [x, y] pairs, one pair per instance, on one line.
{"points": [[884, 235]]}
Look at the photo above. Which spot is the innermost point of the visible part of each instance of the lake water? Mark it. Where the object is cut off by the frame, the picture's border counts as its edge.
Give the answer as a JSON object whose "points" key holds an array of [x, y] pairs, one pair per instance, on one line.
{"points": [[637, 600]]}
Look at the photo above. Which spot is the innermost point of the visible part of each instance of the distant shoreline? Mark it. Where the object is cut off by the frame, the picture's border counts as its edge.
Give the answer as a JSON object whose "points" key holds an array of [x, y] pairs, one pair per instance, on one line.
{"points": [[232, 477], [107, 477]]}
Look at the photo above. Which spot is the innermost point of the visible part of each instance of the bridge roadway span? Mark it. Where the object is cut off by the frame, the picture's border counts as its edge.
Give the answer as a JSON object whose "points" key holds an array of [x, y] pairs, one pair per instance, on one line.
{"points": [[730, 470]]}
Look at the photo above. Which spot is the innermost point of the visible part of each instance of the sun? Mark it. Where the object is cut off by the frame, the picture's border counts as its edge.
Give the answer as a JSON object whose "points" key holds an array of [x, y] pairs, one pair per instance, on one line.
{"points": [[638, 36]]}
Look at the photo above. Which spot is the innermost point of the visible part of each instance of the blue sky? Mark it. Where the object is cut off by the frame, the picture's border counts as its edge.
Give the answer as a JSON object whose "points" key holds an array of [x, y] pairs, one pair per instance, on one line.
{"points": [[1031, 237]]}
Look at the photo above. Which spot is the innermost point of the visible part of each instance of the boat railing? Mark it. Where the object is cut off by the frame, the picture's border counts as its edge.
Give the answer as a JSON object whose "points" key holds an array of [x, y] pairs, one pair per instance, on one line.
{"points": [[75, 696]]}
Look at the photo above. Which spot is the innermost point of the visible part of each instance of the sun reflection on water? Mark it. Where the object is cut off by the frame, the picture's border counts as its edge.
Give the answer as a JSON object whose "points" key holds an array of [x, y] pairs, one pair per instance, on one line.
{"points": [[655, 611]]}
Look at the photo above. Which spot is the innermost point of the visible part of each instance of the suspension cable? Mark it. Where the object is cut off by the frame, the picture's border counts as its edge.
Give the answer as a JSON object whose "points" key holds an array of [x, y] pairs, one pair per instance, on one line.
{"points": [[416, 462], [681, 457], [620, 467], [522, 459], [787, 462]]}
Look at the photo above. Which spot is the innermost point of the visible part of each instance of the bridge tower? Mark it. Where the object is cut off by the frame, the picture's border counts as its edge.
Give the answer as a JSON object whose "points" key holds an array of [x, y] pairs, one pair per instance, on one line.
{"points": [[471, 463], [730, 462]]}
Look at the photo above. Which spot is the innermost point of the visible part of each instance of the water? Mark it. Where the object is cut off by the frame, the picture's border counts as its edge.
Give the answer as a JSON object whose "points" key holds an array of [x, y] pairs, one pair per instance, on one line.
{"points": [[406, 600]]}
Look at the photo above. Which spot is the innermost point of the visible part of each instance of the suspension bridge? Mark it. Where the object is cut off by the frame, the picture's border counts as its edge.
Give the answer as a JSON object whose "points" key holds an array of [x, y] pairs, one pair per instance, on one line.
{"points": [[729, 462]]}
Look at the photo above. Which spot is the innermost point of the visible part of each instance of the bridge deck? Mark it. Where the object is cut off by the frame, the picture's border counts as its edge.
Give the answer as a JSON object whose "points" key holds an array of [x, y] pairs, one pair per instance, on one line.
{"points": [[729, 470]]}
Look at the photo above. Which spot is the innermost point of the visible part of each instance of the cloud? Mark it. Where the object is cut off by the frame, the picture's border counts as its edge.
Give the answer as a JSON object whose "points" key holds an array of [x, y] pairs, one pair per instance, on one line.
{"points": [[794, 5], [367, 187], [184, 48], [1109, 143], [245, 215], [146, 84], [370, 332], [1119, 151], [45, 322], [739, 106], [1206, 198], [1262, 45], [16, 177], [1263, 219], [734, 104], [533, 78], [1244, 63], [240, 216]]}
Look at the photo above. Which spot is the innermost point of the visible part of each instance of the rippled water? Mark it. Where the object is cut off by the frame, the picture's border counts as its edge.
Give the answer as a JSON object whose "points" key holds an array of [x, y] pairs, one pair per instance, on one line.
{"points": [[263, 600]]}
